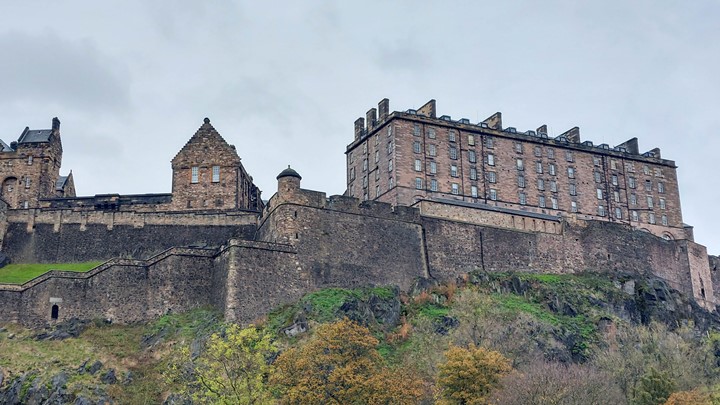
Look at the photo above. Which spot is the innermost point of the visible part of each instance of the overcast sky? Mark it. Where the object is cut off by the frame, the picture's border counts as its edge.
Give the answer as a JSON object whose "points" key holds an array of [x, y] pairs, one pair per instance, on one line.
{"points": [[131, 81]]}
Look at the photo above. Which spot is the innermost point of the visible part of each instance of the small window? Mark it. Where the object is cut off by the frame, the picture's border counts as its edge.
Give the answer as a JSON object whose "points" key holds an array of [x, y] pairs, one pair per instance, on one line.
{"points": [[523, 198], [377, 174], [389, 131], [54, 312], [614, 179], [518, 147], [377, 156], [455, 188], [541, 201], [492, 177], [453, 153], [651, 218], [433, 185], [568, 156], [598, 177], [350, 157], [554, 202], [661, 187], [451, 135], [377, 140], [26, 204], [418, 165], [538, 151], [658, 172], [391, 182], [418, 183], [390, 147], [601, 210], [416, 129], [649, 201], [662, 203], [648, 185], [631, 182], [613, 164], [492, 194], [365, 148], [416, 147], [618, 213], [474, 191], [491, 159], [571, 172], [27, 182], [365, 165], [573, 206], [453, 171], [519, 164], [471, 156], [433, 168], [541, 184], [489, 142], [629, 167], [646, 169], [215, 174], [473, 173], [616, 196], [431, 133], [432, 150], [521, 181], [377, 191], [551, 153], [471, 140], [553, 186], [573, 189], [599, 194], [538, 167], [30, 159], [390, 165], [635, 216], [596, 160], [551, 169], [633, 199], [194, 174], [664, 220]]}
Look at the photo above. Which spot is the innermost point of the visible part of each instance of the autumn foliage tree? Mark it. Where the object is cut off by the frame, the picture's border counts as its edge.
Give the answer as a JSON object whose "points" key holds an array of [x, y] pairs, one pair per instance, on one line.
{"points": [[340, 364], [469, 374]]}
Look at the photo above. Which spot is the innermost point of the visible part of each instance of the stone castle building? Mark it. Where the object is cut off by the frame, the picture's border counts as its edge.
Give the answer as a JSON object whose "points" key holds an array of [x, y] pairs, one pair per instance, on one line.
{"points": [[427, 199]]}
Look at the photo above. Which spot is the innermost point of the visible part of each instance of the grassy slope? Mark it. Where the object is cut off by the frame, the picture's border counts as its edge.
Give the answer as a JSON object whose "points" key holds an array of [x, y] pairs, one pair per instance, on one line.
{"points": [[21, 273]]}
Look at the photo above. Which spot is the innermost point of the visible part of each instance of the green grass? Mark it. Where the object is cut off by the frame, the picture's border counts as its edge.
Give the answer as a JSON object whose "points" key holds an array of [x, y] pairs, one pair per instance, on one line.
{"points": [[22, 272]]}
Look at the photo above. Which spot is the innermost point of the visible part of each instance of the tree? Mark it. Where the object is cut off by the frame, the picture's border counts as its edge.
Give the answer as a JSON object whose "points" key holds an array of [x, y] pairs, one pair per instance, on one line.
{"points": [[234, 367], [694, 397], [340, 364], [468, 375], [654, 388]]}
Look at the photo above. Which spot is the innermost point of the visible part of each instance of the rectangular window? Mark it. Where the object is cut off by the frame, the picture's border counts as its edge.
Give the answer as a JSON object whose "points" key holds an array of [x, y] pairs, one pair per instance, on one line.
{"points": [[568, 156], [389, 131], [433, 168], [194, 174], [365, 165], [492, 177], [598, 177], [658, 172], [433, 185], [553, 186], [27, 182], [493, 194], [432, 150], [473, 173], [377, 174], [377, 156], [541, 184], [662, 203], [453, 171], [599, 194], [614, 179], [651, 218], [377, 191], [390, 147], [633, 199], [573, 189], [551, 153], [664, 220], [471, 140], [416, 129], [416, 147], [453, 153], [635, 216], [541, 201], [30, 159], [538, 167], [391, 182], [352, 173], [489, 142], [601, 210], [390, 165], [350, 157], [523, 198], [631, 182], [519, 164], [518, 147], [571, 172], [661, 187], [491, 159], [474, 191], [431, 133], [451, 135], [646, 169], [649, 201], [521, 181], [596, 161], [573, 206], [648, 185], [455, 189], [216, 174], [418, 183], [616, 196], [418, 165], [538, 151], [551, 169], [554, 202], [471, 156], [629, 167], [377, 140], [618, 213], [26, 204], [364, 147], [613, 164]]}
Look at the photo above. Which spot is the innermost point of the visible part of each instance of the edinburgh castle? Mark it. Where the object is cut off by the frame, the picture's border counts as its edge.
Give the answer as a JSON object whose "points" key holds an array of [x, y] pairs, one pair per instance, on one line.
{"points": [[428, 199]]}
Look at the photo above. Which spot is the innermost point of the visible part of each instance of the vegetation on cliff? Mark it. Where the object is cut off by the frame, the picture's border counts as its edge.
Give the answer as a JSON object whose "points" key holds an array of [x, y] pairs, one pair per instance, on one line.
{"points": [[489, 338]]}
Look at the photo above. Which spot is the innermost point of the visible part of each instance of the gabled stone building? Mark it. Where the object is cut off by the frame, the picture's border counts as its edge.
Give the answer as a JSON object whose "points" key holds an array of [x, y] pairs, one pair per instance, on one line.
{"points": [[30, 168]]}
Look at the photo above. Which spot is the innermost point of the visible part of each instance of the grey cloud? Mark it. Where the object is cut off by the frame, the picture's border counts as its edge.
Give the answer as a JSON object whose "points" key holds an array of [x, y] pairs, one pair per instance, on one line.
{"points": [[45, 68]]}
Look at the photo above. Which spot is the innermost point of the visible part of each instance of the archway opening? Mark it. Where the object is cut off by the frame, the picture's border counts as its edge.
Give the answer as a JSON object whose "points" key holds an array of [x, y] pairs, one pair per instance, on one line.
{"points": [[54, 312]]}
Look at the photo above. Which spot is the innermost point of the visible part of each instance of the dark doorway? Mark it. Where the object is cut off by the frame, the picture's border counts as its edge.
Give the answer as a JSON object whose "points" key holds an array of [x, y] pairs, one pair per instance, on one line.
{"points": [[54, 312]]}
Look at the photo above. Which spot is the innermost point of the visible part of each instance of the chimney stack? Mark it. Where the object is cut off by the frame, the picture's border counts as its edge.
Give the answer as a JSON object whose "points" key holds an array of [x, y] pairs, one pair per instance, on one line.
{"points": [[371, 118], [384, 108], [55, 124], [359, 127]]}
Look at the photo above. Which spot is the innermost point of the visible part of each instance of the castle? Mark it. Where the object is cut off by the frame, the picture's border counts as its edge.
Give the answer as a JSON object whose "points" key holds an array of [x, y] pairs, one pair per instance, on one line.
{"points": [[427, 198]]}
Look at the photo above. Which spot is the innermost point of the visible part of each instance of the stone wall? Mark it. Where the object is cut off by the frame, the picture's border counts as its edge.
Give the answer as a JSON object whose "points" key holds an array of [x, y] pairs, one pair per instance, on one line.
{"points": [[58, 236]]}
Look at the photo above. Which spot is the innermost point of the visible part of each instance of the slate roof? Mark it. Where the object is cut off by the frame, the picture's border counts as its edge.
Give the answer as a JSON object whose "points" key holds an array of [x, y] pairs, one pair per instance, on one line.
{"points": [[35, 135], [60, 183], [5, 147]]}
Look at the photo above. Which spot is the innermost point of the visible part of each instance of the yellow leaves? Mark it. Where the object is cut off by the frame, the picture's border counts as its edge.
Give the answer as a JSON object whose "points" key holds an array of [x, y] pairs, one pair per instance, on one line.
{"points": [[468, 375]]}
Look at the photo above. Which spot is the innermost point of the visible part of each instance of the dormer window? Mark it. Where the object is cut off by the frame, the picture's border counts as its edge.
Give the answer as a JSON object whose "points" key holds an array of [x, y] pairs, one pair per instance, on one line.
{"points": [[215, 174], [194, 174]]}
